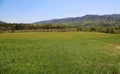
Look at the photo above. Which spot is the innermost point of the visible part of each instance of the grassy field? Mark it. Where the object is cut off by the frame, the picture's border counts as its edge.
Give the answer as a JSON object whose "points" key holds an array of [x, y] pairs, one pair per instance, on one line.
{"points": [[59, 53]]}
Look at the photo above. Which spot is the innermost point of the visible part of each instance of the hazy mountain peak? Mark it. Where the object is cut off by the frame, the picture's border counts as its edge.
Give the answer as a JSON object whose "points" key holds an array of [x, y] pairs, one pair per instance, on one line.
{"points": [[87, 17]]}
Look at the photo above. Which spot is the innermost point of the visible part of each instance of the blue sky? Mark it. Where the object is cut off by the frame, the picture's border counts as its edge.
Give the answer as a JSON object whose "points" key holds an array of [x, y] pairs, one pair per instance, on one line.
{"points": [[28, 11]]}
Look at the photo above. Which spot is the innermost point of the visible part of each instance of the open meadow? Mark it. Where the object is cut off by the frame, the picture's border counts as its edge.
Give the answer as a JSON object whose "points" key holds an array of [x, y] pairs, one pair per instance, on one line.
{"points": [[59, 53]]}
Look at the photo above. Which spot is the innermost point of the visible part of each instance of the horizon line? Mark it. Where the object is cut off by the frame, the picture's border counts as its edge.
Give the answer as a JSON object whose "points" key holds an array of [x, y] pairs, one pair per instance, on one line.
{"points": [[60, 18]]}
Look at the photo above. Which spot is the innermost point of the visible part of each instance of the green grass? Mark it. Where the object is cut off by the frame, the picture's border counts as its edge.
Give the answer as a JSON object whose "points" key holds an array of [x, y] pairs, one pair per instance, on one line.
{"points": [[59, 53]]}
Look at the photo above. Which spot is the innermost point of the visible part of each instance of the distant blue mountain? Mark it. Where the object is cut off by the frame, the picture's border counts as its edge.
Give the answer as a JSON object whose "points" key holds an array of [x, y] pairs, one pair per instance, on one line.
{"points": [[1, 22], [84, 19]]}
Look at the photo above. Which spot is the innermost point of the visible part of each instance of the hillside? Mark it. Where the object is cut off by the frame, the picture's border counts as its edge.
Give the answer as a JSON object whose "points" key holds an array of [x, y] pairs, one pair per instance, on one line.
{"points": [[87, 20], [1, 22]]}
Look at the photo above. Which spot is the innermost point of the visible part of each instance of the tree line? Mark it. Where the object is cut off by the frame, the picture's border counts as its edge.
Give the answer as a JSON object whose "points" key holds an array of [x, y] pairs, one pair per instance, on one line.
{"points": [[12, 27], [111, 29]]}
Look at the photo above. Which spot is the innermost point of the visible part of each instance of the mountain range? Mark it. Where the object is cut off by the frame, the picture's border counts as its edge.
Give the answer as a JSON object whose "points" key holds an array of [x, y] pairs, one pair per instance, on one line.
{"points": [[86, 20], [1, 22]]}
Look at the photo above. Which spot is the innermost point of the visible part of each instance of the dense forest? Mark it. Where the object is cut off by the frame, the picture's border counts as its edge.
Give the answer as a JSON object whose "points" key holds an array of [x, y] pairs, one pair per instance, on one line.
{"points": [[56, 28], [88, 23]]}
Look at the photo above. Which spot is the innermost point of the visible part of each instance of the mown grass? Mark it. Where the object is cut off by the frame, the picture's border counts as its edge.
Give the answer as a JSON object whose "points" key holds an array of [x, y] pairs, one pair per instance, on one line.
{"points": [[59, 53]]}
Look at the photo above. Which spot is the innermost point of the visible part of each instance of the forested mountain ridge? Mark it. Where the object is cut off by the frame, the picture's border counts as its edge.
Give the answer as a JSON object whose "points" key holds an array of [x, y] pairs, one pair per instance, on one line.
{"points": [[1, 22], [89, 23], [87, 20]]}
